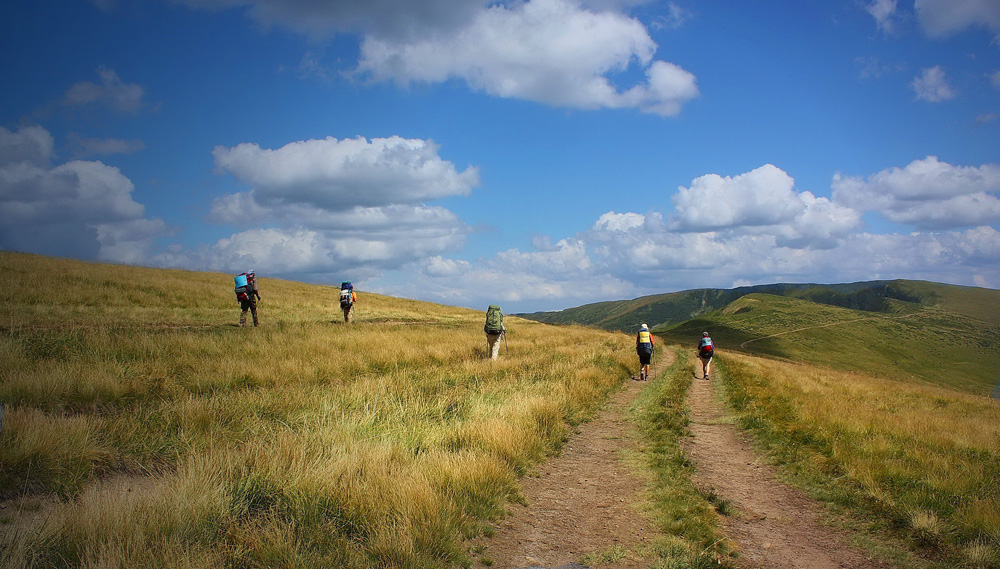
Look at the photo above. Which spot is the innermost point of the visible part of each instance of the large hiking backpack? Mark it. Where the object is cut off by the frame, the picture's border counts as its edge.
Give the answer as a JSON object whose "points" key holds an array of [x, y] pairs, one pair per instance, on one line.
{"points": [[705, 348], [494, 320], [243, 289], [346, 294]]}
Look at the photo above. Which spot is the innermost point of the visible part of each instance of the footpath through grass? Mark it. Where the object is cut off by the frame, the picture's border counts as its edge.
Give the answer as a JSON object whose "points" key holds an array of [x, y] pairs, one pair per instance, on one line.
{"points": [[917, 462]]}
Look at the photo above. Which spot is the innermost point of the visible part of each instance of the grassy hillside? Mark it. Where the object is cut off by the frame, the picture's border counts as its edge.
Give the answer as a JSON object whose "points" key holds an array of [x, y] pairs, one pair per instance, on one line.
{"points": [[910, 461], [143, 428], [914, 341], [873, 296]]}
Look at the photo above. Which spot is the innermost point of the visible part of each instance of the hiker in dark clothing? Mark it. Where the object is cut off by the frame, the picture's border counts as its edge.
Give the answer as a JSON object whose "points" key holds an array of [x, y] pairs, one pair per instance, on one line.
{"points": [[248, 298], [706, 350], [347, 299], [644, 347]]}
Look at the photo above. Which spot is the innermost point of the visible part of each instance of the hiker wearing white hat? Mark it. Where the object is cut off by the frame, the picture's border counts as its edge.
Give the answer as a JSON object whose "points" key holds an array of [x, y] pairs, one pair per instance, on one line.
{"points": [[644, 347]]}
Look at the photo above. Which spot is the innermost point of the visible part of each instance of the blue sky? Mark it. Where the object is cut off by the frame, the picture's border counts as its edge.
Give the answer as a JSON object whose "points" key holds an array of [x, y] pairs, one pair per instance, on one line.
{"points": [[539, 155]]}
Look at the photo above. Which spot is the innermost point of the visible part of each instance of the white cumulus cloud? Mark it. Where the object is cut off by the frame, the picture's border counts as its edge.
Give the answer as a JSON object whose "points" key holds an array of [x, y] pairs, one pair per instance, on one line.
{"points": [[927, 193], [556, 52], [325, 207], [334, 174], [625, 255], [550, 51], [764, 196], [941, 18], [763, 200], [79, 208], [884, 12], [931, 85]]}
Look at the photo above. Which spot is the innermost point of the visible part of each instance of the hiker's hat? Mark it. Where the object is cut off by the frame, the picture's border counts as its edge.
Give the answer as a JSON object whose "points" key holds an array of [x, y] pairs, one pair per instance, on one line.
{"points": [[643, 327], [705, 334]]}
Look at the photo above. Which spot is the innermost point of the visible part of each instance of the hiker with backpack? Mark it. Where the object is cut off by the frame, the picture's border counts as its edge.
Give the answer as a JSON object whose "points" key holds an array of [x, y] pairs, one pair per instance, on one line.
{"points": [[706, 349], [247, 295], [347, 299], [644, 347], [494, 330]]}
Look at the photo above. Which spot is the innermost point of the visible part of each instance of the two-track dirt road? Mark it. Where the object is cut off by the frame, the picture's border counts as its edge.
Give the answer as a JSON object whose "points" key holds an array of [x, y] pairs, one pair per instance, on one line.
{"points": [[584, 503]]}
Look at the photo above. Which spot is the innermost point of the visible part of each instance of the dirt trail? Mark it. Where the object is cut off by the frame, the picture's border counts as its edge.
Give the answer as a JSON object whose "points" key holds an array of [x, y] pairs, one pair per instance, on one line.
{"points": [[582, 502], [774, 525]]}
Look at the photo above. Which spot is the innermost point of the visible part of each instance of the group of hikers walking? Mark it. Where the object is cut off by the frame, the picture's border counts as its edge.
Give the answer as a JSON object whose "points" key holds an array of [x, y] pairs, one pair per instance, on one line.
{"points": [[247, 294], [644, 348]]}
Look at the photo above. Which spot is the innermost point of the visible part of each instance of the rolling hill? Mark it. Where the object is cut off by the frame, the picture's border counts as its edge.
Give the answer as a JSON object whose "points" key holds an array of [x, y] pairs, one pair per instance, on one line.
{"points": [[915, 330], [872, 296]]}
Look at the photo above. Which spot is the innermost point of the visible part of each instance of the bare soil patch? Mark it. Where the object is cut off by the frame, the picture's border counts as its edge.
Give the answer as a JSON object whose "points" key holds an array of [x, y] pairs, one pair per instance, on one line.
{"points": [[773, 525], [584, 502]]}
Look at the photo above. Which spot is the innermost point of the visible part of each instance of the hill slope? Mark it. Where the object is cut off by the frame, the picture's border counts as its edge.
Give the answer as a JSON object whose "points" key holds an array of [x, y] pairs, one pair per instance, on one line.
{"points": [[935, 343], [174, 438], [874, 296]]}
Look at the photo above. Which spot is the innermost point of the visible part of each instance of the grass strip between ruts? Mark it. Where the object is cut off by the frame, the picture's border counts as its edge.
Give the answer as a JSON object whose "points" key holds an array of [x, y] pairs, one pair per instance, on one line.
{"points": [[692, 538]]}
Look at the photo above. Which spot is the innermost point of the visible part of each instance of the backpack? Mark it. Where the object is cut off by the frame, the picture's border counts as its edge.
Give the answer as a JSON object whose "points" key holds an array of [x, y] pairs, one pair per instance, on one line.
{"points": [[494, 320], [346, 294], [243, 289], [644, 347], [705, 348]]}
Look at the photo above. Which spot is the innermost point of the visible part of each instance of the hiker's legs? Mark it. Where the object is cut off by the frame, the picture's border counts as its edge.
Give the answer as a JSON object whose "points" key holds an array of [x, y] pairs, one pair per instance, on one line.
{"points": [[244, 306], [348, 312], [644, 360], [253, 310], [493, 345], [706, 367]]}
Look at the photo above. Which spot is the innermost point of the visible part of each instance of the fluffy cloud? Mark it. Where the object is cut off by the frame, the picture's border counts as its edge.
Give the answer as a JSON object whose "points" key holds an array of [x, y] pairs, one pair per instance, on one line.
{"points": [[941, 18], [79, 208], [884, 12], [931, 85], [764, 198], [312, 255], [557, 52], [562, 271], [336, 174], [550, 51], [111, 91], [329, 207], [927, 193], [649, 259], [624, 255]]}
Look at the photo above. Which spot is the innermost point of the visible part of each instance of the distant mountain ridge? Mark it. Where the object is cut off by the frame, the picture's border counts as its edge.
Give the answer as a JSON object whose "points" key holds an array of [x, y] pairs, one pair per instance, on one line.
{"points": [[668, 309], [947, 335]]}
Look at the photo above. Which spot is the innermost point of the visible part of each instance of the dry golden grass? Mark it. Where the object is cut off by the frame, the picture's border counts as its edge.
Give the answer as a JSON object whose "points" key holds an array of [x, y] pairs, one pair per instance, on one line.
{"points": [[176, 439], [921, 458]]}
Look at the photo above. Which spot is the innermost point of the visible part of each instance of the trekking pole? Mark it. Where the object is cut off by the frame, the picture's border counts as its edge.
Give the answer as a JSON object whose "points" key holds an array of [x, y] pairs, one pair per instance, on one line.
{"points": [[506, 347]]}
